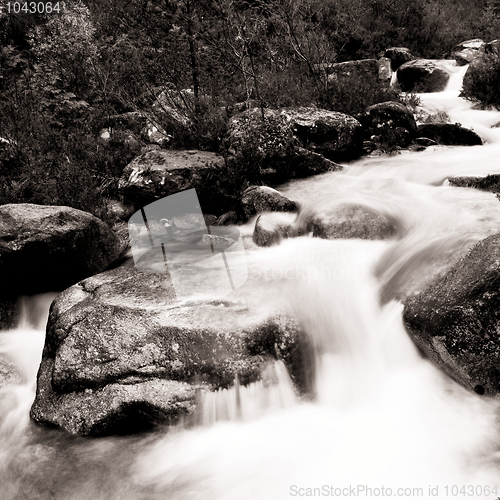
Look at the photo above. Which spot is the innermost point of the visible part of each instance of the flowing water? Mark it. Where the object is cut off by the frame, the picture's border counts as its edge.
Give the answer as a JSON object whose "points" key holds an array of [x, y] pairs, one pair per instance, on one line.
{"points": [[383, 421]]}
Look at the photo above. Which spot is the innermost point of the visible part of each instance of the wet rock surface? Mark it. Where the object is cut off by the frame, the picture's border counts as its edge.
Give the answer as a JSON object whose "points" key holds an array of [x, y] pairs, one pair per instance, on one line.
{"points": [[422, 75], [338, 221], [489, 183], [455, 320], [121, 352], [258, 199], [449, 134], [389, 123]]}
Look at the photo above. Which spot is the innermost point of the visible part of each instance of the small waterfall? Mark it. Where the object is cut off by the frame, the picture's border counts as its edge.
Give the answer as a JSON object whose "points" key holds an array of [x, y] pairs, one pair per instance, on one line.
{"points": [[274, 392]]}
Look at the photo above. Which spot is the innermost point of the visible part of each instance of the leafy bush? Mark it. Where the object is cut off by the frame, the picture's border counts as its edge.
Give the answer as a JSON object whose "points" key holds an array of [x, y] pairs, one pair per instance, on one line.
{"points": [[352, 95], [482, 80]]}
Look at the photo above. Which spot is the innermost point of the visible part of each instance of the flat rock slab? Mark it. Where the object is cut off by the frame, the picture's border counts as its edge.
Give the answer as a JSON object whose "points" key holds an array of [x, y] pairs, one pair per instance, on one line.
{"points": [[48, 248]]}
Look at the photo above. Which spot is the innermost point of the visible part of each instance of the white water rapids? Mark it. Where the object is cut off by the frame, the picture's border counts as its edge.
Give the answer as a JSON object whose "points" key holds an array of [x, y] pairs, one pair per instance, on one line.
{"points": [[383, 422]]}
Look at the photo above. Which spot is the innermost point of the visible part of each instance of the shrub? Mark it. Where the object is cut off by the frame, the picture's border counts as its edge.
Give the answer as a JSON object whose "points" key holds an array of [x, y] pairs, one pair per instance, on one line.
{"points": [[482, 80], [352, 95]]}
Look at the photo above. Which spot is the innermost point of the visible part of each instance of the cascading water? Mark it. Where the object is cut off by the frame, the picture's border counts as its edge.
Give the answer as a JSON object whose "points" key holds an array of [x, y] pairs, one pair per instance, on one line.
{"points": [[383, 422]]}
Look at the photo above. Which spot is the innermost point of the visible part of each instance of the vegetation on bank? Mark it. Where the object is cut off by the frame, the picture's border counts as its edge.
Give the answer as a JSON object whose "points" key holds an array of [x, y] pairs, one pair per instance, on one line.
{"points": [[62, 76], [482, 80]]}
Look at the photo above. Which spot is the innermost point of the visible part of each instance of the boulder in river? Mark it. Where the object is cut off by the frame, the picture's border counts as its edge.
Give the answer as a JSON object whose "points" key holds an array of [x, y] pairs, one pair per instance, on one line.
{"points": [[121, 353], [340, 220], [345, 220], [290, 143], [398, 56], [422, 75], [258, 199], [489, 183], [449, 134], [336, 136], [383, 120], [465, 52], [47, 248], [455, 320], [271, 228]]}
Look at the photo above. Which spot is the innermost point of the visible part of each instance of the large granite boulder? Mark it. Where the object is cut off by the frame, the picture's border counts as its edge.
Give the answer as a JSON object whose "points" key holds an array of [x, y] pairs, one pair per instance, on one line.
{"points": [[422, 75], [380, 122], [275, 143], [265, 132], [455, 320], [175, 106], [258, 199], [156, 174], [345, 220], [122, 353], [48, 248], [336, 136], [449, 134]]}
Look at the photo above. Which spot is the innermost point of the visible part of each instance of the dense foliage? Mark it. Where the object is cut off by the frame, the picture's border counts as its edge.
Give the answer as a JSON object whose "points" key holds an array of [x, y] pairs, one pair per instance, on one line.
{"points": [[62, 75], [482, 80]]}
